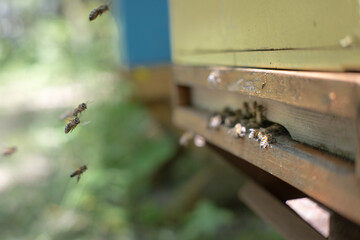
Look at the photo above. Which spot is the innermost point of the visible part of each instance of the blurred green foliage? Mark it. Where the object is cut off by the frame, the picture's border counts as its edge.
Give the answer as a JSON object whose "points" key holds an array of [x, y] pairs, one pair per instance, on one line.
{"points": [[139, 183]]}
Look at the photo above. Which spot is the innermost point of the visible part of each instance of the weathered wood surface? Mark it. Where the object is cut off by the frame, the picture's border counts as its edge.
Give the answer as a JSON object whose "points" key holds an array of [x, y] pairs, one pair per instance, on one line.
{"points": [[317, 108], [342, 229], [282, 190], [357, 163], [326, 178], [276, 213], [318, 91], [324, 131]]}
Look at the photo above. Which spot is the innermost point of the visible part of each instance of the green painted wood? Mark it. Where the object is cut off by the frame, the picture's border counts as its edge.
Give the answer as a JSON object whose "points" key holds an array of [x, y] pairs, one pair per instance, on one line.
{"points": [[316, 35]]}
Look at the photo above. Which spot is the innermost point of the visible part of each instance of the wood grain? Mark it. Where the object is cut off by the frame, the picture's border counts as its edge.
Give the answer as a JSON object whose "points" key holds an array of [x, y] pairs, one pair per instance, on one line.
{"points": [[317, 91], [326, 178], [276, 213], [323, 131]]}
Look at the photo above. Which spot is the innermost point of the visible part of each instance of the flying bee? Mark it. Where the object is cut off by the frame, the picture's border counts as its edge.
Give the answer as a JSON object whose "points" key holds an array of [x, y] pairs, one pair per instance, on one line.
{"points": [[98, 11], [78, 172], [253, 109], [9, 151], [266, 140], [82, 107], [237, 131], [70, 126]]}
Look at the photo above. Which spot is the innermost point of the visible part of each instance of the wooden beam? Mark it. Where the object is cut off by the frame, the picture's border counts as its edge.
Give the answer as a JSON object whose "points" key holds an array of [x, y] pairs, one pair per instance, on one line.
{"points": [[320, 130], [341, 228], [317, 91], [357, 140], [324, 177], [280, 189], [276, 213]]}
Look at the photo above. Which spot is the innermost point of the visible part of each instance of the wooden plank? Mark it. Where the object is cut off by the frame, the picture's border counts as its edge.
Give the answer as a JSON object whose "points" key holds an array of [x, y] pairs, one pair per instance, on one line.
{"points": [[311, 60], [267, 34], [324, 177], [276, 213], [357, 122], [341, 228], [280, 189], [297, 100], [323, 131], [318, 91]]}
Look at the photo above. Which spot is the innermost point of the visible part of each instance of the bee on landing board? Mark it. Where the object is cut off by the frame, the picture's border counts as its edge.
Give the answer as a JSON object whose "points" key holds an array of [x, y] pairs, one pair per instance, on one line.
{"points": [[82, 107], [78, 172], [98, 11], [237, 131], [9, 151], [70, 126]]}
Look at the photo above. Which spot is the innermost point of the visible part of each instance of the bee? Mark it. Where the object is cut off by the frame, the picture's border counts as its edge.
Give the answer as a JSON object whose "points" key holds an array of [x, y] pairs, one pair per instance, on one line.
{"points": [[199, 141], [214, 78], [253, 133], [266, 140], [259, 116], [82, 107], [247, 112], [9, 151], [215, 121], [70, 126], [98, 11], [185, 138], [237, 131], [261, 133], [78, 172]]}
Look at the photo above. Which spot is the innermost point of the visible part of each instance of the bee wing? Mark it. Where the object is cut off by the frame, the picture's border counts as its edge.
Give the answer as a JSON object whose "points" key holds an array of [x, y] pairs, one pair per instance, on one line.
{"points": [[68, 119], [86, 123], [65, 115]]}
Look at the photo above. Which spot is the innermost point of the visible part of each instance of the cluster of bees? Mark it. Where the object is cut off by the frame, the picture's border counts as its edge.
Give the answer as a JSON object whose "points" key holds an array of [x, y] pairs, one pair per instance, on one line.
{"points": [[74, 119], [246, 122]]}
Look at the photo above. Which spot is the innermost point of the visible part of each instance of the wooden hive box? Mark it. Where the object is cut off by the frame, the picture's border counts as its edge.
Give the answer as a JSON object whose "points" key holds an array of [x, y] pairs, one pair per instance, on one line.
{"points": [[299, 59]]}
